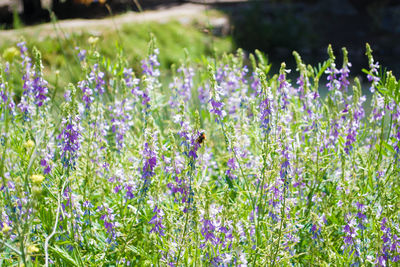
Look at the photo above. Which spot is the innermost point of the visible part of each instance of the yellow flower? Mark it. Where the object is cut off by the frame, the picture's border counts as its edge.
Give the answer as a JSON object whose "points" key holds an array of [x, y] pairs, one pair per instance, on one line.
{"points": [[93, 40], [10, 53], [29, 144], [6, 228], [37, 178], [32, 249], [36, 190]]}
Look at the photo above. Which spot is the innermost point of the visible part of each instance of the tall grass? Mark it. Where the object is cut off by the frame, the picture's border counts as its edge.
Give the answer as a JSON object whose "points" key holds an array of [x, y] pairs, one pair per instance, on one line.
{"points": [[227, 165]]}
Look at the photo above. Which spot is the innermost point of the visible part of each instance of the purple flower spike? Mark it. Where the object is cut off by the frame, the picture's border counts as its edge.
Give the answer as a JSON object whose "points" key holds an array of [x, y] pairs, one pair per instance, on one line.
{"points": [[157, 221]]}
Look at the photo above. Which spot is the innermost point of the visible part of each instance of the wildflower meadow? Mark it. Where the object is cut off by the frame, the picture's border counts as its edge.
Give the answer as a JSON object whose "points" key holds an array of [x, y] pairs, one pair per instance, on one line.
{"points": [[216, 162]]}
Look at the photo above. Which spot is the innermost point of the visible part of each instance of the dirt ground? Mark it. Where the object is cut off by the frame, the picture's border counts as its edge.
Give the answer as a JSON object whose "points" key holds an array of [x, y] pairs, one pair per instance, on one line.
{"points": [[183, 13]]}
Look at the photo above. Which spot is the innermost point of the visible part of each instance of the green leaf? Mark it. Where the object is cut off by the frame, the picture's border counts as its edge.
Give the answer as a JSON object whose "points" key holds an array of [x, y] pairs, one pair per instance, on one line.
{"points": [[64, 255], [139, 252], [78, 256], [388, 147]]}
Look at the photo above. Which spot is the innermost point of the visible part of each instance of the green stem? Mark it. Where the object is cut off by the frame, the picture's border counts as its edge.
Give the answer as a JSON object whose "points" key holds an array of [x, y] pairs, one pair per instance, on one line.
{"points": [[192, 168], [280, 227]]}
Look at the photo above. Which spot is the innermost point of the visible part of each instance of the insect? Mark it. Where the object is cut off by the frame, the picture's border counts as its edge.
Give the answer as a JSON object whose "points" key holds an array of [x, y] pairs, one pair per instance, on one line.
{"points": [[201, 138]]}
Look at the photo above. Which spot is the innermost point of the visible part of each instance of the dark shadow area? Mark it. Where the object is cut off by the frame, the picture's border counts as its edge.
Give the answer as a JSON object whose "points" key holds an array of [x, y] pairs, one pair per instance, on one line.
{"points": [[279, 27], [64, 10], [276, 27], [33, 11]]}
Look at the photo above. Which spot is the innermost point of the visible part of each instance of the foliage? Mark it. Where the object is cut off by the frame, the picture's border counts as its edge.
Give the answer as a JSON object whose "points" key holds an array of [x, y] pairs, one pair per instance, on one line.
{"points": [[225, 166], [173, 37]]}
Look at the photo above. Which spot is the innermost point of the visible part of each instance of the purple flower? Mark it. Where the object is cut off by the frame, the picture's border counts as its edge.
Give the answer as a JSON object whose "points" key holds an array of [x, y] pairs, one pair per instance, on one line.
{"points": [[109, 222], [354, 124], [35, 87], [81, 53], [333, 83], [285, 89], [396, 132], [121, 121], [390, 249], [150, 65], [69, 140], [39, 90], [372, 76], [265, 112], [45, 163], [182, 86], [207, 231], [87, 93], [149, 163], [96, 77], [6, 98], [156, 220], [231, 167], [204, 93], [343, 79], [131, 82], [216, 107]]}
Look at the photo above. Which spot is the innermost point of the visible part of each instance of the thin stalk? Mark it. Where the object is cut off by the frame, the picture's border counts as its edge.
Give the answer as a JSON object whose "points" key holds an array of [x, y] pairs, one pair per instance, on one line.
{"points": [[237, 160], [261, 209], [280, 227], [21, 240], [192, 168], [46, 242], [11, 247]]}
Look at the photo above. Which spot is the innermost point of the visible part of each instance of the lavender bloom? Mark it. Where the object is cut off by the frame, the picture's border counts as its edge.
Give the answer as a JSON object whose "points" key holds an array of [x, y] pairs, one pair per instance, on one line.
{"points": [[93, 86], [378, 103], [354, 124], [150, 65], [207, 231], [285, 89], [190, 137], [109, 222], [265, 112], [216, 107], [316, 227], [390, 250], [204, 93], [333, 83], [151, 72], [96, 77], [255, 84], [372, 77], [45, 162], [69, 140], [87, 96], [181, 187], [194, 145], [81, 54], [121, 121], [35, 87], [361, 217], [343, 79], [5, 98], [231, 167], [156, 220], [39, 90], [351, 234], [286, 155], [182, 86], [396, 132], [150, 161], [131, 82], [217, 234]]}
